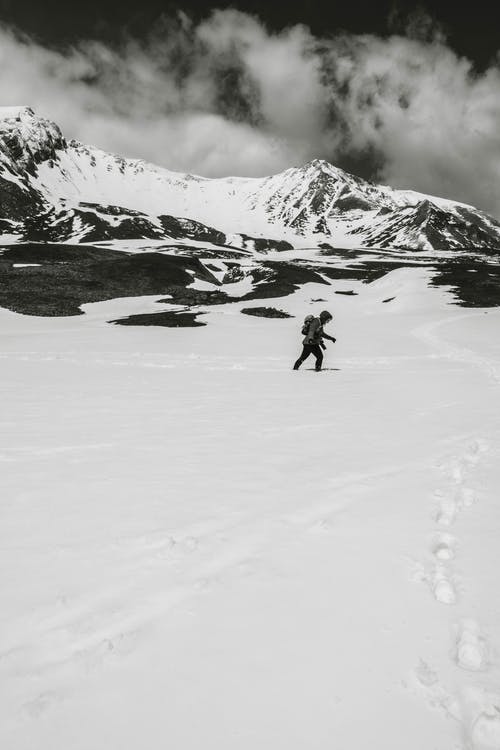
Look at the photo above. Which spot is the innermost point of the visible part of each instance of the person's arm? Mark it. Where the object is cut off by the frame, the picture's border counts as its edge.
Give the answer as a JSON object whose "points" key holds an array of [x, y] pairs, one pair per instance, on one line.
{"points": [[330, 338]]}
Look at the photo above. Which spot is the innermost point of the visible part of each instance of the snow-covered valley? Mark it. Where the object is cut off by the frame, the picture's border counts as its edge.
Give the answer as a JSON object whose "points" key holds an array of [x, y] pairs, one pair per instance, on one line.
{"points": [[203, 549]]}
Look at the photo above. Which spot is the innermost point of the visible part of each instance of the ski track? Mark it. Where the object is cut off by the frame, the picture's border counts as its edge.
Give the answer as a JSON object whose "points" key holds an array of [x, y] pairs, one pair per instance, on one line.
{"points": [[426, 334]]}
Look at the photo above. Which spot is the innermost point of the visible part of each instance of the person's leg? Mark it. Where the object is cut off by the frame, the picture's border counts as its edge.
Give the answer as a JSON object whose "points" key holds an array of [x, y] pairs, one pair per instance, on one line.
{"points": [[306, 351], [316, 350]]}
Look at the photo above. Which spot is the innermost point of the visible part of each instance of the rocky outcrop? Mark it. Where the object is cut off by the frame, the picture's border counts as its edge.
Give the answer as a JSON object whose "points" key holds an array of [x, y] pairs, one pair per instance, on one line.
{"points": [[265, 312]]}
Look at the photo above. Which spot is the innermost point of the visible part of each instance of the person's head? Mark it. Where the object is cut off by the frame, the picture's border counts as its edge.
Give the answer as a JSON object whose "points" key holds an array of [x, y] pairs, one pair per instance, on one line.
{"points": [[325, 316]]}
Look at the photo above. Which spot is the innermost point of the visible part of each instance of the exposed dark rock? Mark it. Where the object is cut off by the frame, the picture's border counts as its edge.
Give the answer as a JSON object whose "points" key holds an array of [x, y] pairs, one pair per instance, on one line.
{"points": [[46, 253], [70, 276], [340, 252], [352, 202], [262, 245], [16, 203], [265, 312], [349, 293], [8, 226], [233, 274], [89, 221], [361, 272], [367, 271], [474, 283], [281, 279], [178, 227], [220, 253], [321, 227], [167, 319], [389, 299], [187, 297]]}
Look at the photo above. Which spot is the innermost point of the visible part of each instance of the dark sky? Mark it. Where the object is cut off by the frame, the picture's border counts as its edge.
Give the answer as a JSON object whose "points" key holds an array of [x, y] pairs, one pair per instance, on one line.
{"points": [[471, 28]]}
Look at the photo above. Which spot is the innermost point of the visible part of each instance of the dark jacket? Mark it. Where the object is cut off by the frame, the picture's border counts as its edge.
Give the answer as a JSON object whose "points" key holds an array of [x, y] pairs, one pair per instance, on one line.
{"points": [[316, 334]]}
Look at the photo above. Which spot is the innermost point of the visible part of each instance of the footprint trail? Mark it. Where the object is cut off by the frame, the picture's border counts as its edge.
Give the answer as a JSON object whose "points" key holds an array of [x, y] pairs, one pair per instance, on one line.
{"points": [[475, 707]]}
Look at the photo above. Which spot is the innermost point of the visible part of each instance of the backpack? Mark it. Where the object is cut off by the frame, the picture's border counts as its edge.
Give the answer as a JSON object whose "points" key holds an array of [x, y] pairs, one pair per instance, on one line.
{"points": [[307, 324]]}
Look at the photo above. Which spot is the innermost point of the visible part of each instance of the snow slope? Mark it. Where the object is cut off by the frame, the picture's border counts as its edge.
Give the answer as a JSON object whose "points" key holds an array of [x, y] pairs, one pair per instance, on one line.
{"points": [[202, 548]]}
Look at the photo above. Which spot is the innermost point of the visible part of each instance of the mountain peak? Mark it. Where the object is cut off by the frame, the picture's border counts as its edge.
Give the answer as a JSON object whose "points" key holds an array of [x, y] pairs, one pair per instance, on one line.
{"points": [[322, 169], [16, 113], [319, 165], [27, 139]]}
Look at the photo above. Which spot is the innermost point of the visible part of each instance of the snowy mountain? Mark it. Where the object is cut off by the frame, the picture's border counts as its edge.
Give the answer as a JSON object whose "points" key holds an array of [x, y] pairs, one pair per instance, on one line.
{"points": [[51, 188]]}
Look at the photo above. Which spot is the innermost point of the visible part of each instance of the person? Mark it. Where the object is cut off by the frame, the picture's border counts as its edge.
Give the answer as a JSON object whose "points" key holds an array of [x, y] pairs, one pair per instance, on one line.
{"points": [[313, 340]]}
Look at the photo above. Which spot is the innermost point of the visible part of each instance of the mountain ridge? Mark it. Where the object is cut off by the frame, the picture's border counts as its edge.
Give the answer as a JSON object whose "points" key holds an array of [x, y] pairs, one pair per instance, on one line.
{"points": [[44, 177]]}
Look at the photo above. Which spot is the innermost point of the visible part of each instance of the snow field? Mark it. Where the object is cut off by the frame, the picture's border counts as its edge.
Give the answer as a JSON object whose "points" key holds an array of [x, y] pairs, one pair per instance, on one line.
{"points": [[203, 548]]}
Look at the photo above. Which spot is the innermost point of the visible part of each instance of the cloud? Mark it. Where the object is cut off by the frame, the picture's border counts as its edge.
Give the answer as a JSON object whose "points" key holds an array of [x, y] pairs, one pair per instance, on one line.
{"points": [[434, 122], [228, 96]]}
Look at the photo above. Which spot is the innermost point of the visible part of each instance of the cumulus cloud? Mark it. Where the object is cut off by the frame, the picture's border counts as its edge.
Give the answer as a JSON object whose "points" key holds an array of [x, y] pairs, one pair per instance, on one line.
{"points": [[228, 96], [424, 110]]}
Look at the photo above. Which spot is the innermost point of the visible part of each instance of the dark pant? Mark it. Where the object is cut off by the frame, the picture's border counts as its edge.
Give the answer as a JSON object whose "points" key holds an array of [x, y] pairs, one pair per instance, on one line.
{"points": [[306, 351]]}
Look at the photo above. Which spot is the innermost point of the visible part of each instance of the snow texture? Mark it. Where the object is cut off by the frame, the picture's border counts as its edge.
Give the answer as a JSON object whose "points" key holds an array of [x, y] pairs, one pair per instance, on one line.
{"points": [[202, 548]]}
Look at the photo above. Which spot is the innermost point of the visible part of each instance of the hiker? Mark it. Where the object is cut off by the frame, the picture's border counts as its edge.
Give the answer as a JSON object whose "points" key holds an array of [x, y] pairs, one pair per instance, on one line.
{"points": [[313, 338]]}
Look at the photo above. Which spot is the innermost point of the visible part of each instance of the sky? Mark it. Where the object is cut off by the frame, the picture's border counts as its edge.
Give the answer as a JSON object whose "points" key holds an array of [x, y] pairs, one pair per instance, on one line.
{"points": [[399, 94]]}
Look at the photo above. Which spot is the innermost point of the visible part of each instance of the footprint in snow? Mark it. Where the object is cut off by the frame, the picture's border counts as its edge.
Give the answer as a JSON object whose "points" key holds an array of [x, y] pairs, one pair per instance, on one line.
{"points": [[442, 586], [466, 497], [443, 547], [447, 508], [425, 675], [486, 729], [475, 449], [470, 647], [450, 505], [482, 718], [439, 582], [477, 709], [456, 470], [436, 695]]}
